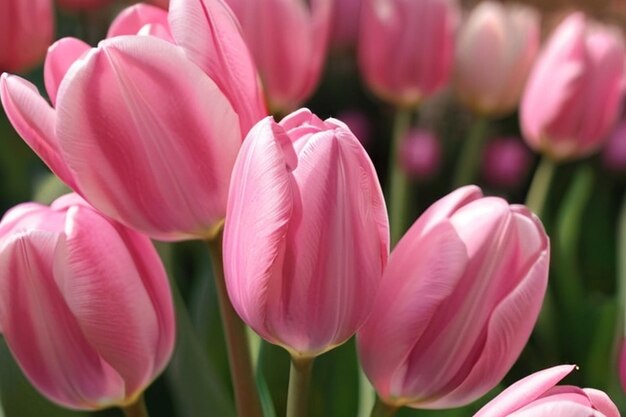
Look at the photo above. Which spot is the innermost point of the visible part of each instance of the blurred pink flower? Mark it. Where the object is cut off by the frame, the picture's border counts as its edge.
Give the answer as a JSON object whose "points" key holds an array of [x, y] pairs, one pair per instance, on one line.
{"points": [[420, 154], [506, 162], [573, 94]]}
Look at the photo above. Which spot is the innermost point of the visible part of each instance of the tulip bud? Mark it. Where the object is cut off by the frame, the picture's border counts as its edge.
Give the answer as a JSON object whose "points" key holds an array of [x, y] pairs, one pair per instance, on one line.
{"points": [[85, 305], [83, 4], [538, 395], [574, 91], [614, 151], [420, 154], [26, 29], [506, 37], [458, 300], [137, 129], [288, 40], [406, 47], [306, 235], [506, 162]]}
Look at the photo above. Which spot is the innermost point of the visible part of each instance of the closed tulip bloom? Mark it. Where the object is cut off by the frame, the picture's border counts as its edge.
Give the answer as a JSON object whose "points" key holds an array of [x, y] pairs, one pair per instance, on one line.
{"points": [[574, 91], [306, 233], [458, 300], [288, 40], [406, 47], [26, 29], [137, 129], [538, 395], [495, 50], [345, 28], [85, 305]]}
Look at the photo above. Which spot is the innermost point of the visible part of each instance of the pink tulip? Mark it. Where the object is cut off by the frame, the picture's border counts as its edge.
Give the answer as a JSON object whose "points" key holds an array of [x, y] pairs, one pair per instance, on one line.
{"points": [[406, 47], [457, 303], [83, 4], [495, 50], [506, 162], [345, 28], [137, 129], [288, 39], [614, 152], [573, 94], [26, 29], [306, 234], [420, 154], [538, 395], [85, 305]]}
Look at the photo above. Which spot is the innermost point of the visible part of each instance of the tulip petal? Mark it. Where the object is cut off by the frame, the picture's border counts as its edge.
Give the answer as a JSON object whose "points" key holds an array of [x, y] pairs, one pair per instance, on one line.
{"points": [[261, 186], [40, 329], [151, 138], [133, 19], [524, 391], [101, 276], [34, 119], [422, 272], [61, 55], [556, 409], [602, 402], [210, 35]]}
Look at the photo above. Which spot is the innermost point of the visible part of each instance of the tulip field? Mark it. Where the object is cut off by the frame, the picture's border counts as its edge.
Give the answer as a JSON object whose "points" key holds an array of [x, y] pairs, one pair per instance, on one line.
{"points": [[312, 208]]}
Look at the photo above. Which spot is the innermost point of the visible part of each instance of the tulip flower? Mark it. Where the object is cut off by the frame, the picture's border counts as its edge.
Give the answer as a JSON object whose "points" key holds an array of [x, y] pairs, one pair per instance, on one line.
{"points": [[406, 47], [614, 151], [344, 31], [306, 233], [288, 39], [458, 300], [574, 91], [506, 162], [26, 29], [85, 304], [538, 395], [137, 129], [420, 154], [83, 4], [495, 50]]}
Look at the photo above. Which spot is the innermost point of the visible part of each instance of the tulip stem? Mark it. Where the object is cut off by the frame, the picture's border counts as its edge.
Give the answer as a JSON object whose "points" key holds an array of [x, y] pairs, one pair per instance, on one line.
{"points": [[246, 395], [382, 409], [398, 180], [299, 382], [136, 409], [470, 157], [540, 186]]}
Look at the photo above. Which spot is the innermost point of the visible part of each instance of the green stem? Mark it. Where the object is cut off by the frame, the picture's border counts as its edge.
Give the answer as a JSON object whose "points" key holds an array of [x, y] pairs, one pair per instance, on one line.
{"points": [[568, 280], [398, 181], [540, 186], [299, 382], [136, 409], [382, 409], [471, 154], [246, 395]]}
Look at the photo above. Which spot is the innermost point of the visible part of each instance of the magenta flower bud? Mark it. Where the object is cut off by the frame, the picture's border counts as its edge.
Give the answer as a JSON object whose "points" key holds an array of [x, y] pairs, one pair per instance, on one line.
{"points": [[289, 40], [420, 154], [406, 47], [306, 235], [458, 300], [506, 36], [538, 395], [359, 124], [26, 29], [138, 129], [574, 91], [506, 162], [614, 151], [83, 4], [85, 305]]}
